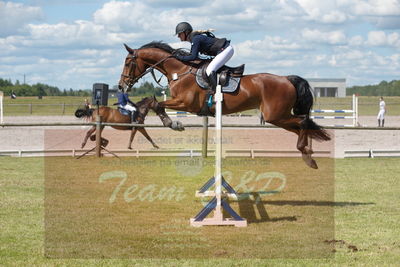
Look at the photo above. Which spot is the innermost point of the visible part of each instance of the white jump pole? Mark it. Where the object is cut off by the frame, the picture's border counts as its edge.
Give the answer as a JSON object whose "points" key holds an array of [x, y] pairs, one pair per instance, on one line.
{"points": [[218, 218], [356, 107], [353, 107], [218, 153], [1, 106], [355, 110]]}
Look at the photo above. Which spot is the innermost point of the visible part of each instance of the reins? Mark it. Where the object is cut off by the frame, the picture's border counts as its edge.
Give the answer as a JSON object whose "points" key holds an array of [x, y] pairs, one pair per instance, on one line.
{"points": [[149, 69]]}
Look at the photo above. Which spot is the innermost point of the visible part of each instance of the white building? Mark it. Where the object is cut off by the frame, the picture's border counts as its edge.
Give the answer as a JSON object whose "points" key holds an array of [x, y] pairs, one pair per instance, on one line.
{"points": [[328, 87]]}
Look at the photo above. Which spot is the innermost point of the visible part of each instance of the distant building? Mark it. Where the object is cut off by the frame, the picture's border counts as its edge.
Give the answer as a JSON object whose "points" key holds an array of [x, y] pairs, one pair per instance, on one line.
{"points": [[325, 87]]}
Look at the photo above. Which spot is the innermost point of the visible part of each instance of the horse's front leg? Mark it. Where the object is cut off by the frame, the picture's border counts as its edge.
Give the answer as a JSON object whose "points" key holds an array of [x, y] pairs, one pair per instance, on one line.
{"points": [[88, 134], [144, 132], [176, 104], [133, 133]]}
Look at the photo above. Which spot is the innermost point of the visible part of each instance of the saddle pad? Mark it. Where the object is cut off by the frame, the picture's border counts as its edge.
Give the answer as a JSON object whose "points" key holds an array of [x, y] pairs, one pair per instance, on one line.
{"points": [[230, 87], [124, 111]]}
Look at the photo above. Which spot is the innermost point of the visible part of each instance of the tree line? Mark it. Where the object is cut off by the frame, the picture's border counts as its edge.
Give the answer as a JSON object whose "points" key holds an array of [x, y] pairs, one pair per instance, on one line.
{"points": [[384, 88], [40, 89]]}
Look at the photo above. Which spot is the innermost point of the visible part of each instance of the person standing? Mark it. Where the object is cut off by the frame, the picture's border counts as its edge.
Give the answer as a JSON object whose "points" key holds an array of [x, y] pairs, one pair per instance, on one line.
{"points": [[381, 114], [87, 104]]}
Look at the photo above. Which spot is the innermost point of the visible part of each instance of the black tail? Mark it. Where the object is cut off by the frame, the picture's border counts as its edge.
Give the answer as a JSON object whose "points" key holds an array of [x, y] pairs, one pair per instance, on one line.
{"points": [[83, 113], [303, 105], [305, 98]]}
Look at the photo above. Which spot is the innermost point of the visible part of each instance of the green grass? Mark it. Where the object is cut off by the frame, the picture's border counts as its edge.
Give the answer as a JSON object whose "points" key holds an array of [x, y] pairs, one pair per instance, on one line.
{"points": [[368, 106], [366, 214], [48, 106]]}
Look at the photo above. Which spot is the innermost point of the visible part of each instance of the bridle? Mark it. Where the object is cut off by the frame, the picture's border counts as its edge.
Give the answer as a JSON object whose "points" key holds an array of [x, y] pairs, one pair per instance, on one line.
{"points": [[132, 66]]}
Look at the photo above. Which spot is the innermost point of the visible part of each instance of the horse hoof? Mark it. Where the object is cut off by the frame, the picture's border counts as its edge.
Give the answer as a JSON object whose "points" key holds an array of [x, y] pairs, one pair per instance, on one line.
{"points": [[104, 142], [156, 147], [181, 127], [313, 164], [310, 161], [177, 126]]}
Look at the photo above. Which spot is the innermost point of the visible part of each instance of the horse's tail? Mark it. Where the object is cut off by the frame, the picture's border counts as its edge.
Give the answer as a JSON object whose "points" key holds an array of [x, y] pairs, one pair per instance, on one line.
{"points": [[84, 113], [303, 105]]}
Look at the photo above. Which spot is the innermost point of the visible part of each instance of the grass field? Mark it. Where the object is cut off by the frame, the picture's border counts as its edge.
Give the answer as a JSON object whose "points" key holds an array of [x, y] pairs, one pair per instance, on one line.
{"points": [[23, 106], [53, 211]]}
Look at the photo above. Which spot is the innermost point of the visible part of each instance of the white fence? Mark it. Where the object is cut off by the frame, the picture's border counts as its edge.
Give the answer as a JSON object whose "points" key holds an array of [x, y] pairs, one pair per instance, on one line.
{"points": [[371, 153], [353, 111], [1, 106], [250, 153]]}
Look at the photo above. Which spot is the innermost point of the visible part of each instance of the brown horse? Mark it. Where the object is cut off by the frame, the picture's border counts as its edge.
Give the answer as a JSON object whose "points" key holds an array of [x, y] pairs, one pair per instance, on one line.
{"points": [[284, 101], [114, 116]]}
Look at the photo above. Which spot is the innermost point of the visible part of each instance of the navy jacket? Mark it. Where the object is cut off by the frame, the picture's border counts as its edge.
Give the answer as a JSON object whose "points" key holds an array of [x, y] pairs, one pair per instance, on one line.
{"points": [[202, 44], [123, 99]]}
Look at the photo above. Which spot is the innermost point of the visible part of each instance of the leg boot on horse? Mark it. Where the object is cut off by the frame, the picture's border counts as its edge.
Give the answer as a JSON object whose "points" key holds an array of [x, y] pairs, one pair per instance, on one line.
{"points": [[208, 100]]}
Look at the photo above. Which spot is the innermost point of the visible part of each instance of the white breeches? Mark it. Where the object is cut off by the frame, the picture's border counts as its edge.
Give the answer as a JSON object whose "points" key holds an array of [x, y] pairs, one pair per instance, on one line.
{"points": [[381, 115], [220, 60], [129, 107]]}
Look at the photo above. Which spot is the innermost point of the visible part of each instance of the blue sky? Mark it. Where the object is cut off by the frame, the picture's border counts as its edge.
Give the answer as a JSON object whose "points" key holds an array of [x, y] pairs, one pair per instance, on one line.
{"points": [[73, 44]]}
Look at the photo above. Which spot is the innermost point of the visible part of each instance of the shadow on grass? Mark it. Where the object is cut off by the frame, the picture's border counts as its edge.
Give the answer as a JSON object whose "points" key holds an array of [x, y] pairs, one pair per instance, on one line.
{"points": [[315, 203], [250, 206]]}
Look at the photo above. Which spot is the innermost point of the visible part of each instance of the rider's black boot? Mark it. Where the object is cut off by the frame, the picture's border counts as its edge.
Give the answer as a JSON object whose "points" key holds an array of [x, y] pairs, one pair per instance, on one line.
{"points": [[134, 116]]}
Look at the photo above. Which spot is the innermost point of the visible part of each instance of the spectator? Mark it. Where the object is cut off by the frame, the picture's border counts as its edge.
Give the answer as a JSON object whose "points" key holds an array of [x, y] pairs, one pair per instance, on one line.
{"points": [[381, 114]]}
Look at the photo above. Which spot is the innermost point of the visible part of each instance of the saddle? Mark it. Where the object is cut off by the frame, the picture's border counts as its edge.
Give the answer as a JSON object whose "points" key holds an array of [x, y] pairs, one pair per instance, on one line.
{"points": [[229, 77], [124, 111]]}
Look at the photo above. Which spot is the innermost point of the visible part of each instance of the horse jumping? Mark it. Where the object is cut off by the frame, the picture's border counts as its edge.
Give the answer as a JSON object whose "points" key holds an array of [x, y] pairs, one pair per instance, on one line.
{"points": [[284, 101], [114, 116]]}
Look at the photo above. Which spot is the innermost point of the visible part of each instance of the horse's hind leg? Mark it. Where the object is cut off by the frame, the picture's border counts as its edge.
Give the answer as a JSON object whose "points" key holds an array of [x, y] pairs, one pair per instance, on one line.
{"points": [[297, 125], [144, 132], [88, 134], [133, 133]]}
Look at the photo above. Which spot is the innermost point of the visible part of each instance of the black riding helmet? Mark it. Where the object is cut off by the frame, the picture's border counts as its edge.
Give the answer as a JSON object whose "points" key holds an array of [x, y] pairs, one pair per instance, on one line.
{"points": [[183, 27]]}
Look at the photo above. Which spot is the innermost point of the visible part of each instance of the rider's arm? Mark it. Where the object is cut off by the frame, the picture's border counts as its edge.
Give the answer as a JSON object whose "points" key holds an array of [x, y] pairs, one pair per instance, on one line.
{"points": [[128, 100], [194, 51]]}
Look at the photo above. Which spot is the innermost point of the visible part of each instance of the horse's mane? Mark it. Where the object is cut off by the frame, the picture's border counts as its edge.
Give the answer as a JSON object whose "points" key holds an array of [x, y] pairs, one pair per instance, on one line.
{"points": [[165, 47], [143, 101]]}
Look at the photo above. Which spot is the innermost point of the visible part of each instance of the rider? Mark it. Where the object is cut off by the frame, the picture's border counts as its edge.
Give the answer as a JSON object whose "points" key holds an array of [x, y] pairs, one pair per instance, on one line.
{"points": [[125, 103], [87, 104], [206, 43]]}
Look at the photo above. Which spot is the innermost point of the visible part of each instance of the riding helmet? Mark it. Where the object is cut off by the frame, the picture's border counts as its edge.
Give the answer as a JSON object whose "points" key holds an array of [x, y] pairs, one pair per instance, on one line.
{"points": [[183, 27]]}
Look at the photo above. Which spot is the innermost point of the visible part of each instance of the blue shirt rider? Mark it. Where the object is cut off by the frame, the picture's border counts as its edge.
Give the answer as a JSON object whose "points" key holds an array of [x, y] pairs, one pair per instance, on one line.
{"points": [[125, 103]]}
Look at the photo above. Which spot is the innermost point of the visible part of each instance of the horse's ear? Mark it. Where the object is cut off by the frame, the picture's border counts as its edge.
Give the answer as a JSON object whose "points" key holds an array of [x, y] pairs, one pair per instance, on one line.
{"points": [[154, 96], [130, 50]]}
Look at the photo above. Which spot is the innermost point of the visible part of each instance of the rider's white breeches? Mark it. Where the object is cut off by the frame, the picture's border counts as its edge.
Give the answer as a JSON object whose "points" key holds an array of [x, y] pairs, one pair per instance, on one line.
{"points": [[381, 115], [220, 60], [129, 107]]}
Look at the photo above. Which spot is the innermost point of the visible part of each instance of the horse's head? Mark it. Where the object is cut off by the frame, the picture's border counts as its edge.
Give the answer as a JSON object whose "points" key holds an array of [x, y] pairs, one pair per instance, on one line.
{"points": [[141, 61], [151, 102], [133, 68]]}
